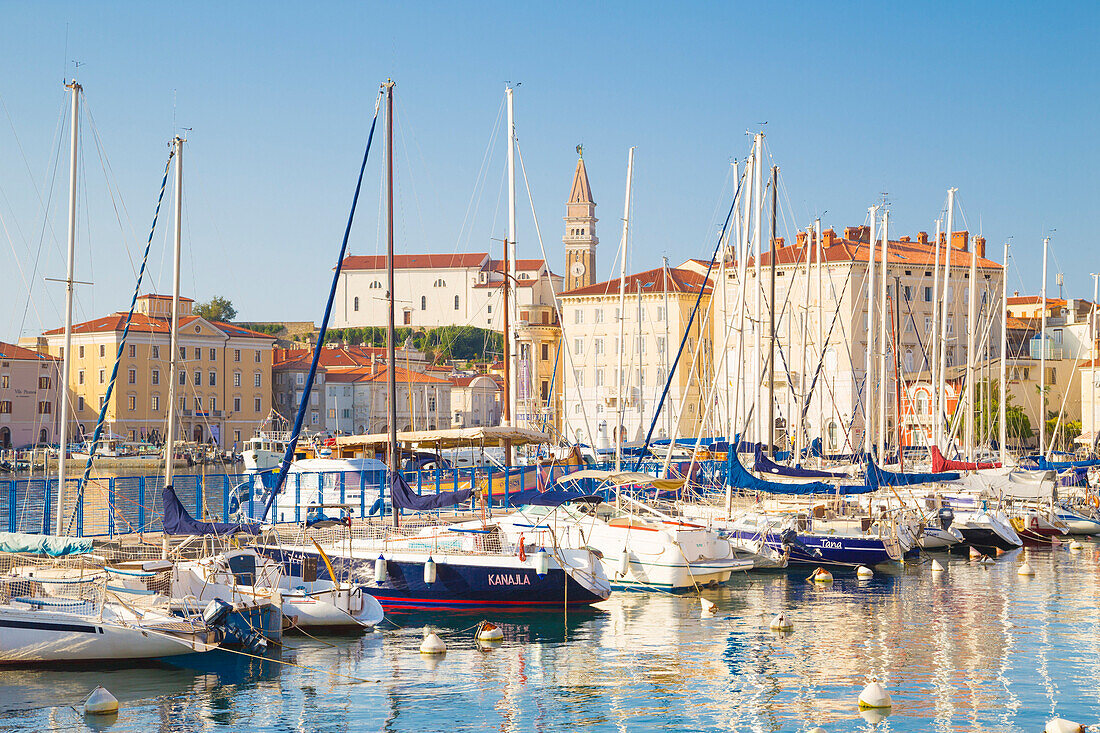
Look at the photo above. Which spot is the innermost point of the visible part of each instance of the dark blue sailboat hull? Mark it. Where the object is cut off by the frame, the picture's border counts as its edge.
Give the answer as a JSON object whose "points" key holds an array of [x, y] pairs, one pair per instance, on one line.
{"points": [[811, 549]]}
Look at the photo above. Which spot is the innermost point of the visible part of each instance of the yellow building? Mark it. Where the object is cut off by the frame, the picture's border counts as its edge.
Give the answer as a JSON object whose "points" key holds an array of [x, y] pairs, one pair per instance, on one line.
{"points": [[223, 388]]}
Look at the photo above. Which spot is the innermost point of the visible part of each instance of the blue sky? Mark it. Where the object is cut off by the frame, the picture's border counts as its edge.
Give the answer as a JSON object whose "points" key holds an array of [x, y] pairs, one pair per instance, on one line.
{"points": [[997, 99]]}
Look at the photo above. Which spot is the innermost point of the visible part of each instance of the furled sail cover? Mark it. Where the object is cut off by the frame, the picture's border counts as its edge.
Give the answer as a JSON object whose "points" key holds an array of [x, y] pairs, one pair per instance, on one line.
{"points": [[739, 478], [1041, 463], [177, 520], [766, 465], [1011, 484], [816, 451], [554, 497], [403, 497], [878, 477], [939, 463], [41, 544]]}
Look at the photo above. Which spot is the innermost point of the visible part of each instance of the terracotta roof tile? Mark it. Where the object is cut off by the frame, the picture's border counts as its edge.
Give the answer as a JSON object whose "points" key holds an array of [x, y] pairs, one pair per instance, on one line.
{"points": [[416, 261], [651, 281], [18, 353]]}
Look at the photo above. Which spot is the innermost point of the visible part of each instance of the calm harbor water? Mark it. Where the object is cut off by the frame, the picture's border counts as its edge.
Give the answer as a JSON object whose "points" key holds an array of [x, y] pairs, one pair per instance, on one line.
{"points": [[972, 649]]}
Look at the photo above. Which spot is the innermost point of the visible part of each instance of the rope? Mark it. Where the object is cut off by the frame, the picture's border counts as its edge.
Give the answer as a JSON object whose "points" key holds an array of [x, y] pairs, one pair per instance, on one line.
{"points": [[118, 357]]}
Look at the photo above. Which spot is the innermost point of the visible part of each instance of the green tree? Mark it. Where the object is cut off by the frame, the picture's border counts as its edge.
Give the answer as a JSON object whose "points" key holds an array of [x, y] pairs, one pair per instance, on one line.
{"points": [[987, 408], [216, 309]]}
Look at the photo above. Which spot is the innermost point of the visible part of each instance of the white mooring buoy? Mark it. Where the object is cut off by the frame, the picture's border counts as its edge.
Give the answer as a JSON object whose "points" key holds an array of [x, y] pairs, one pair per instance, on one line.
{"points": [[875, 695], [488, 631], [821, 575], [1076, 546], [1061, 725], [864, 573], [432, 644], [818, 729], [708, 607], [937, 566], [1025, 569], [100, 702], [781, 623], [986, 560]]}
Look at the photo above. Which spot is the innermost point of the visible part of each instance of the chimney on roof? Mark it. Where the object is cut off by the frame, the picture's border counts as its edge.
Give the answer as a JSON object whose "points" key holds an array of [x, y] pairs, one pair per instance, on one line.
{"points": [[780, 243], [979, 246], [857, 234], [800, 239], [827, 238], [1015, 293], [960, 241], [943, 238], [905, 239], [922, 237]]}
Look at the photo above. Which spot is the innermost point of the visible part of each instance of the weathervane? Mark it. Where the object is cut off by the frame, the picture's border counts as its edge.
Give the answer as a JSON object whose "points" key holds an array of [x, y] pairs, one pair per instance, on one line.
{"points": [[580, 150]]}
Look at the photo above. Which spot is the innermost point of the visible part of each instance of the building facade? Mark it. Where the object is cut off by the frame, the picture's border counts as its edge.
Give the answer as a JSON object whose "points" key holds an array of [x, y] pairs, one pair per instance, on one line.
{"points": [[29, 399], [475, 401], [223, 388]]}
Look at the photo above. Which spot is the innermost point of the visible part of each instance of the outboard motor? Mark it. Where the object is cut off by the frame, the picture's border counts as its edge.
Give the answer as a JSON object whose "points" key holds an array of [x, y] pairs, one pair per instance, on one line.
{"points": [[789, 538], [234, 628], [945, 516]]}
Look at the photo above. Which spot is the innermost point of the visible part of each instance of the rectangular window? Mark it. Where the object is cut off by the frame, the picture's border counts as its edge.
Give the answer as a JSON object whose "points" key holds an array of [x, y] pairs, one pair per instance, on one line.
{"points": [[927, 294], [641, 346], [907, 292], [950, 324], [928, 324], [198, 403], [599, 315], [213, 379], [5, 407], [213, 402], [660, 313], [183, 353], [599, 346], [44, 407], [545, 352], [102, 351], [578, 316], [198, 354], [300, 379], [213, 354], [102, 399], [599, 377], [237, 404], [313, 417], [102, 376], [236, 436], [4, 380], [43, 382], [131, 403], [183, 377], [155, 403], [198, 378], [131, 376], [578, 377], [81, 352], [332, 413], [236, 379], [257, 379], [256, 357], [183, 403], [236, 354], [154, 378], [257, 404], [80, 404], [133, 351], [156, 352]]}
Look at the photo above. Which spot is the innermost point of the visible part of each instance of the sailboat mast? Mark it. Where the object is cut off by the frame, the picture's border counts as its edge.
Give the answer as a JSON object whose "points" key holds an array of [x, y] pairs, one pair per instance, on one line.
{"points": [[510, 265], [757, 210], [971, 368], [70, 266], [934, 367], [946, 307], [820, 325], [802, 396], [897, 370], [391, 376], [883, 313], [622, 315], [771, 325], [1043, 355], [173, 349], [869, 369], [506, 393]]}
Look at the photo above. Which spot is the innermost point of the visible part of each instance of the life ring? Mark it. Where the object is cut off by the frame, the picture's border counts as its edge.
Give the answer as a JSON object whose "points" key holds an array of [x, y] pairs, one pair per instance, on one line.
{"points": [[522, 552]]}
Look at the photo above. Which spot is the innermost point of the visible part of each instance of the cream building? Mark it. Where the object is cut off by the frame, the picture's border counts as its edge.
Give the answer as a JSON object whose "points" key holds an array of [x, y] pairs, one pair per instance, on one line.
{"points": [[223, 388], [658, 307], [29, 408], [475, 401], [358, 400], [833, 374]]}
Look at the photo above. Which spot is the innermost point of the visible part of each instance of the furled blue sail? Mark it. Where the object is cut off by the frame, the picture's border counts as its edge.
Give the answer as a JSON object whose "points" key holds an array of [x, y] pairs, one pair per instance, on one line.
{"points": [[403, 497], [553, 497], [740, 478], [816, 451], [879, 477], [766, 465], [177, 520], [1042, 463]]}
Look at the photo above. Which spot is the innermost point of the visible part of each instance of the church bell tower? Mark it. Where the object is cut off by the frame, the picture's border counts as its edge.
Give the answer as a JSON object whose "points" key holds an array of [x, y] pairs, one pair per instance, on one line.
{"points": [[580, 230]]}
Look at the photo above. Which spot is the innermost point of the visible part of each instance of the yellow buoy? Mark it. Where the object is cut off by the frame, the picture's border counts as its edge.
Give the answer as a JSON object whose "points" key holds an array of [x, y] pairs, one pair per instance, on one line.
{"points": [[864, 573], [875, 695], [432, 644], [100, 702], [488, 631], [1060, 725], [821, 575], [781, 623], [937, 566], [1076, 546]]}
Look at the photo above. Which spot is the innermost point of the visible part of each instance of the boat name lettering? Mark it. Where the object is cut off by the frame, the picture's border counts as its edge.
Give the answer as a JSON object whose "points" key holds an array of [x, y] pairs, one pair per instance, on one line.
{"points": [[831, 544], [518, 579]]}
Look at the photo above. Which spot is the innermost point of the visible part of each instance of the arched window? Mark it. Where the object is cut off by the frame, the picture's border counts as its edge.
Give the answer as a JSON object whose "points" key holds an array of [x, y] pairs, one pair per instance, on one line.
{"points": [[908, 360], [355, 304], [832, 435], [423, 303], [456, 302], [922, 403]]}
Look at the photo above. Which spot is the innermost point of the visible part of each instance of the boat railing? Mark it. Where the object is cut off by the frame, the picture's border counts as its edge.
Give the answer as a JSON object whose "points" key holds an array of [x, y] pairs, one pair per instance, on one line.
{"points": [[372, 536], [72, 585]]}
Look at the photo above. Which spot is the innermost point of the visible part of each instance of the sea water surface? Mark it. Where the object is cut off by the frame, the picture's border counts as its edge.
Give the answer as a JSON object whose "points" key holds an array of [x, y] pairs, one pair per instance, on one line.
{"points": [[973, 649]]}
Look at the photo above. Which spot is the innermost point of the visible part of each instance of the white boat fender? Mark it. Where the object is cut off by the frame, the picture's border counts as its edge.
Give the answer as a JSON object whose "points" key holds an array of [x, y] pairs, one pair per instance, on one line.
{"points": [[1025, 569], [100, 702], [542, 562], [1061, 725], [380, 570], [937, 566], [821, 575], [432, 644], [624, 563], [781, 623], [864, 573], [708, 607], [488, 631], [429, 571], [875, 695]]}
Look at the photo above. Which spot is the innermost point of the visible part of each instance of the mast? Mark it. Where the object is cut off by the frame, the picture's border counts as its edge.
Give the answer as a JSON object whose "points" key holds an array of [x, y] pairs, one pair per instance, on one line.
{"points": [[173, 349], [70, 267], [510, 257], [897, 371], [757, 209], [664, 355], [622, 315], [1092, 372], [869, 370], [948, 293], [771, 327], [803, 406], [506, 393], [971, 369], [1043, 356], [934, 367], [391, 377], [820, 326], [883, 314]]}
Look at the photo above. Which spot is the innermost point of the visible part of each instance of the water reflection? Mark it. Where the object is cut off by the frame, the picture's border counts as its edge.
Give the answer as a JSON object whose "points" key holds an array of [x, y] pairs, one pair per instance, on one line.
{"points": [[977, 649]]}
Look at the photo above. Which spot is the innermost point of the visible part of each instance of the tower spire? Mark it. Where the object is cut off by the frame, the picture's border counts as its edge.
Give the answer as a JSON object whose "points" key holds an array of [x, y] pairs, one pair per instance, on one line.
{"points": [[580, 238]]}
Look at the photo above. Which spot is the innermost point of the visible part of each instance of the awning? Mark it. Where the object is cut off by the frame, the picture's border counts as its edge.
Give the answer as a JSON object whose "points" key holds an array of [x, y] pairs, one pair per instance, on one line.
{"points": [[623, 478], [451, 438]]}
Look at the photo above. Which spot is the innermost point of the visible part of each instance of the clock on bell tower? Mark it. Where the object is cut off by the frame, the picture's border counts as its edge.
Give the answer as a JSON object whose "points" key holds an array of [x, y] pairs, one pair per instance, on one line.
{"points": [[580, 238]]}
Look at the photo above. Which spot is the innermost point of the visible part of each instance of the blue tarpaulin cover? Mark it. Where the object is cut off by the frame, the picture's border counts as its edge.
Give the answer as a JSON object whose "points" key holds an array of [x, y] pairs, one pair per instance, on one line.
{"points": [[1041, 463], [403, 497], [554, 497], [42, 544], [766, 465], [177, 520], [878, 477], [742, 479]]}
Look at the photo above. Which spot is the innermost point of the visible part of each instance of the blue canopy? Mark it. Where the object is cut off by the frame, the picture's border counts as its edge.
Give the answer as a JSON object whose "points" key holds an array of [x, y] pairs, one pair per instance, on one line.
{"points": [[1040, 463], [741, 479], [403, 497], [766, 465], [177, 520], [878, 477], [554, 497]]}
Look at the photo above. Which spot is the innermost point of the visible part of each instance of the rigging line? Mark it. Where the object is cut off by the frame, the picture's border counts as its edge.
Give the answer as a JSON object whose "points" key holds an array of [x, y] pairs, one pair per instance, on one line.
{"points": [[557, 305], [308, 388], [118, 357], [108, 177], [479, 182], [45, 221]]}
